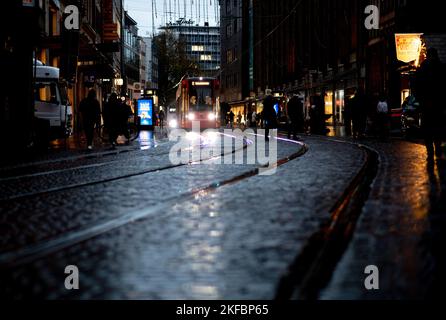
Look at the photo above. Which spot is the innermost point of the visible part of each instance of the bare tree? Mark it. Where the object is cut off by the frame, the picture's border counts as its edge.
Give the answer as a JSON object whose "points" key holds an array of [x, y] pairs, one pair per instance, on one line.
{"points": [[173, 65]]}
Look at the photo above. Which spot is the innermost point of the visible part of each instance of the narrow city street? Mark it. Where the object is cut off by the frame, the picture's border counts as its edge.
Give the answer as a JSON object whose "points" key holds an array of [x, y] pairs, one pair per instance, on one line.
{"points": [[138, 227], [223, 159]]}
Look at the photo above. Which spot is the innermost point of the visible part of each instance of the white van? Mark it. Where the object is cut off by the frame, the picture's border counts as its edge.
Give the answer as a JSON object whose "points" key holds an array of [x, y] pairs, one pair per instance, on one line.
{"points": [[51, 101]]}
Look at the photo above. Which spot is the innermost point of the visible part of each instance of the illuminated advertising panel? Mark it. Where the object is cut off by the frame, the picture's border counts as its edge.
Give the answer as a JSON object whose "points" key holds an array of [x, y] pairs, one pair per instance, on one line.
{"points": [[145, 111]]}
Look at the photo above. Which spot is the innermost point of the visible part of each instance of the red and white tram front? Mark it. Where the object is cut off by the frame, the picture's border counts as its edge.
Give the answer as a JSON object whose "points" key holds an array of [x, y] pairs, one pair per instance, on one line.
{"points": [[199, 102]]}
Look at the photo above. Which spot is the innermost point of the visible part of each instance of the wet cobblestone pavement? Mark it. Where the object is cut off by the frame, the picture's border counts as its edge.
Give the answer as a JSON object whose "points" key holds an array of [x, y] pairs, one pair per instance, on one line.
{"points": [[401, 229], [150, 233], [232, 242]]}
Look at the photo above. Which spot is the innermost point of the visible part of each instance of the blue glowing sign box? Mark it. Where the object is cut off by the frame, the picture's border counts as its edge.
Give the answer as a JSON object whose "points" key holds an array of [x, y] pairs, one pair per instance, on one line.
{"points": [[145, 111]]}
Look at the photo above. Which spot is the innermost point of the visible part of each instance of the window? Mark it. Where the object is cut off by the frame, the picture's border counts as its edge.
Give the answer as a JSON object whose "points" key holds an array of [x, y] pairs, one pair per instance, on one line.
{"points": [[197, 48], [46, 92], [205, 57]]}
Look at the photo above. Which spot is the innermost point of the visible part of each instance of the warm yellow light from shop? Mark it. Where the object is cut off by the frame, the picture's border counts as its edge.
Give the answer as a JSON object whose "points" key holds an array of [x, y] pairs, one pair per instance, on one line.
{"points": [[408, 46]]}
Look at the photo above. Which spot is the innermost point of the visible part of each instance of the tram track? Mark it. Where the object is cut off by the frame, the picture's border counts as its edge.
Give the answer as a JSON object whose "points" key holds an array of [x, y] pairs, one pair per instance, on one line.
{"points": [[5, 172], [313, 267], [88, 166], [66, 187], [43, 248]]}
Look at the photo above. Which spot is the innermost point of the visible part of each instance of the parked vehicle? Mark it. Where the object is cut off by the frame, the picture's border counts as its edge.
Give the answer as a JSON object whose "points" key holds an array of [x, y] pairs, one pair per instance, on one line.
{"points": [[411, 118], [52, 108]]}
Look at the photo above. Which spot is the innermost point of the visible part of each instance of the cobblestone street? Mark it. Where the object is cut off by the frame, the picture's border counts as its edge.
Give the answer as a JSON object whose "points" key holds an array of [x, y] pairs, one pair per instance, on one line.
{"points": [[139, 228]]}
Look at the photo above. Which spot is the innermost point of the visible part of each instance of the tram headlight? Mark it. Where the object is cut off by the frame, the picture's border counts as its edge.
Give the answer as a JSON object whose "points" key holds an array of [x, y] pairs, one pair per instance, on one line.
{"points": [[211, 117], [191, 116], [173, 123]]}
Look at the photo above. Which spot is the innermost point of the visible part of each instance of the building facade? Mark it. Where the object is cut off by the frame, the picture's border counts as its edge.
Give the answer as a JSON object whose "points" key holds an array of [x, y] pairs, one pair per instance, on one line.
{"points": [[202, 44], [321, 47], [151, 63], [234, 51], [142, 62], [131, 56]]}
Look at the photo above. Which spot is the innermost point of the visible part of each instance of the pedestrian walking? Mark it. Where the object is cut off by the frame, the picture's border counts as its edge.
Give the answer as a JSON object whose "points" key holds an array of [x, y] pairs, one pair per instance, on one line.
{"points": [[317, 115], [382, 112], [91, 116], [254, 119], [269, 114], [111, 114], [429, 88], [231, 119], [125, 111], [295, 116], [161, 117], [239, 119], [249, 119]]}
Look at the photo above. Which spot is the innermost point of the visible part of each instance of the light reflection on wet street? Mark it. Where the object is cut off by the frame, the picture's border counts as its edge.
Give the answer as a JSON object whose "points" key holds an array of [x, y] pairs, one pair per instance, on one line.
{"points": [[184, 233]]}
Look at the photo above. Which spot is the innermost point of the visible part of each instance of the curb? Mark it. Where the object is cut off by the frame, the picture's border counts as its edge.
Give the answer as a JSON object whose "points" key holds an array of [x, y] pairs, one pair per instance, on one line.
{"points": [[312, 269]]}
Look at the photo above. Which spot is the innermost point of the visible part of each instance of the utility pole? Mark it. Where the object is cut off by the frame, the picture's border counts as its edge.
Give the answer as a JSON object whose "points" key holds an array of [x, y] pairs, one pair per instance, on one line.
{"points": [[121, 41]]}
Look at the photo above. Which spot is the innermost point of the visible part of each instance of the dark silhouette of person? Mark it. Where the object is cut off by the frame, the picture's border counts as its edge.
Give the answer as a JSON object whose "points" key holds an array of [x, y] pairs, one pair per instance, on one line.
{"points": [[239, 118], [269, 114], [295, 116], [125, 111], [429, 88], [111, 117], [91, 115], [161, 117], [249, 118], [317, 115], [231, 118]]}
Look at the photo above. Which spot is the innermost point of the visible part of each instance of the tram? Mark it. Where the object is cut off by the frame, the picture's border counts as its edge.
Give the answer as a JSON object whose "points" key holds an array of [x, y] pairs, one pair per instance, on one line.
{"points": [[198, 100]]}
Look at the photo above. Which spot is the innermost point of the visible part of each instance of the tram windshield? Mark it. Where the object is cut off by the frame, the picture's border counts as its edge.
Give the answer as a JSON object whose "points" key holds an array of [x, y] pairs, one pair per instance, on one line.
{"points": [[201, 96]]}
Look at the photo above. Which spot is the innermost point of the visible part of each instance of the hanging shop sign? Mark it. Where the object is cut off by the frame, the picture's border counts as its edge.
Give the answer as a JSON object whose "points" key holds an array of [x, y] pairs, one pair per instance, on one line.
{"points": [[408, 46]]}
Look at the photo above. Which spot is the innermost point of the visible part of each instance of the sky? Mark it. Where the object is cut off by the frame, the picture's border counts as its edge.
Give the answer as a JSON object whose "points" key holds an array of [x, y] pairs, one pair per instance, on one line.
{"points": [[197, 10]]}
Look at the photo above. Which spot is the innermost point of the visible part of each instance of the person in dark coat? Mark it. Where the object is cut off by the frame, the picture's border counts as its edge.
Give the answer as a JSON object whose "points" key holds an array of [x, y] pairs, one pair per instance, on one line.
{"points": [[295, 116], [430, 84], [317, 115], [112, 110], [359, 114], [91, 115], [231, 118], [125, 111], [269, 114], [161, 117]]}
